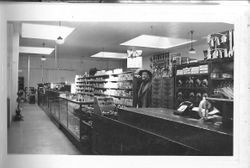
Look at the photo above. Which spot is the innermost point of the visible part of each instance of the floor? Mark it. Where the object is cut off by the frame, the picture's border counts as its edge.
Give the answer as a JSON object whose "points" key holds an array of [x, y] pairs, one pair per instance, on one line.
{"points": [[37, 134]]}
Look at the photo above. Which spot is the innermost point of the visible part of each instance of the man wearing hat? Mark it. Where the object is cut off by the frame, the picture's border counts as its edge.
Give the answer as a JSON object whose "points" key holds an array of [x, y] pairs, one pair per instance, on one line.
{"points": [[145, 89]]}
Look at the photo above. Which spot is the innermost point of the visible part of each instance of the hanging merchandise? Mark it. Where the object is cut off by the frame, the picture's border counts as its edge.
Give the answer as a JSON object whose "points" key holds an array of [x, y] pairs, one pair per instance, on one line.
{"points": [[161, 65], [220, 45], [230, 44]]}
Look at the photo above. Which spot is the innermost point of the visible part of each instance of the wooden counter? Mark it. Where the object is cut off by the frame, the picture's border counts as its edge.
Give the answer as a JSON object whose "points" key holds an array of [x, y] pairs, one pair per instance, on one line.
{"points": [[157, 131], [77, 102], [167, 114]]}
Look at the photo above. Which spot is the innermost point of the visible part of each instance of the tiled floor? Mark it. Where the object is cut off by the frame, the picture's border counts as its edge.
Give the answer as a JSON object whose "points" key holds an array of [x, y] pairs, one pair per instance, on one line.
{"points": [[37, 134]]}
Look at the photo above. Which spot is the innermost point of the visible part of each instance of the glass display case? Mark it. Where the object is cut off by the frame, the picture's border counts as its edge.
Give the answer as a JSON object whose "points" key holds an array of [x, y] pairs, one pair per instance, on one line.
{"points": [[54, 108], [74, 117], [71, 112], [63, 112], [73, 120]]}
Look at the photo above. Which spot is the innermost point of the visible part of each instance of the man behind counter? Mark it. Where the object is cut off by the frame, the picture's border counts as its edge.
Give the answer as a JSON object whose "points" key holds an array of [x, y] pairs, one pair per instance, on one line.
{"points": [[145, 89]]}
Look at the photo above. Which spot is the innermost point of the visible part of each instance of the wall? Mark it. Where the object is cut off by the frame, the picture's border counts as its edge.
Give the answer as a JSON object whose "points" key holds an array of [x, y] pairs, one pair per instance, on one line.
{"points": [[12, 65], [184, 52], [3, 91], [68, 68]]}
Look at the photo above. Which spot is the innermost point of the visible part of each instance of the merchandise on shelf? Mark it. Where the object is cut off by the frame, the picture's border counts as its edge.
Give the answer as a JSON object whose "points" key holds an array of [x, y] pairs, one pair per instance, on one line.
{"points": [[124, 85], [161, 65], [201, 69], [108, 84], [125, 76], [123, 101], [212, 78], [113, 78], [220, 45]]}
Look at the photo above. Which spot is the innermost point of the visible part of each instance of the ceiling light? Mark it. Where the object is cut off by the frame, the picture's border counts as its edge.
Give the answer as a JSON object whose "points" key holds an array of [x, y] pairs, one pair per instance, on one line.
{"points": [[150, 41], [110, 55], [43, 58], [191, 50], [36, 50], [59, 40], [48, 32]]}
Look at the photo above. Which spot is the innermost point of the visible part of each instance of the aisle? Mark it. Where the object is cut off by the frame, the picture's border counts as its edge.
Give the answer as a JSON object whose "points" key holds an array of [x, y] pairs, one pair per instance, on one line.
{"points": [[37, 134]]}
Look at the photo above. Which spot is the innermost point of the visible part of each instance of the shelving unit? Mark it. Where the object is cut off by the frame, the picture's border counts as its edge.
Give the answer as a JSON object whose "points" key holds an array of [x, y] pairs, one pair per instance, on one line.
{"points": [[119, 86], [219, 99], [191, 82], [219, 74]]}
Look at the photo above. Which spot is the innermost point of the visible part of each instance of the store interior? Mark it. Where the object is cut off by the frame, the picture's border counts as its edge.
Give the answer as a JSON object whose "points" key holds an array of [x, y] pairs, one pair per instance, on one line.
{"points": [[74, 104], [88, 83]]}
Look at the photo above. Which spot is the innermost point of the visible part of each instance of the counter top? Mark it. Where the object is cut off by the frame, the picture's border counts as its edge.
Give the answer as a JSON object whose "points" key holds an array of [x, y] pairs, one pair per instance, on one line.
{"points": [[77, 102], [167, 114]]}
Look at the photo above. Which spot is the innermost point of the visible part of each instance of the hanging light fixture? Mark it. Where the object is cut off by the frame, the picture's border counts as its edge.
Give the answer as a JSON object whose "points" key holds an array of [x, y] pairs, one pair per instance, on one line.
{"points": [[59, 39], [191, 50], [43, 58]]}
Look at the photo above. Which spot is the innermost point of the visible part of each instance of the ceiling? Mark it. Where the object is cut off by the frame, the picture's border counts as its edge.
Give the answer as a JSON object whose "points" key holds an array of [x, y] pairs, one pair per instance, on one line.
{"points": [[88, 38]]}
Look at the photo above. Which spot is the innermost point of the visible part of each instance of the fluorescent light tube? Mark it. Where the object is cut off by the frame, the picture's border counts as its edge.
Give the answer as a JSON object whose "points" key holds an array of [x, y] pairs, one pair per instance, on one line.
{"points": [[36, 50], [110, 55], [150, 41], [48, 32]]}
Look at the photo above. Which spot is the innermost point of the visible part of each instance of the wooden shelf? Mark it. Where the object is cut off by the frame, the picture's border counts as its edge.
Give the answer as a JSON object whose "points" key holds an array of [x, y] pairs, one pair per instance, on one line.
{"points": [[125, 80], [124, 105], [192, 88], [221, 60], [119, 80], [84, 85], [221, 79], [97, 81], [200, 74], [125, 97], [81, 82], [203, 62], [104, 75], [113, 88], [86, 89], [87, 93], [220, 99], [101, 94]]}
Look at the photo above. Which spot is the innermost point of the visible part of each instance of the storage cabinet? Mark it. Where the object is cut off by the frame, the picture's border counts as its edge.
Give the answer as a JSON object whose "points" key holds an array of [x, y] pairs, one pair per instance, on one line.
{"points": [[191, 82], [163, 92]]}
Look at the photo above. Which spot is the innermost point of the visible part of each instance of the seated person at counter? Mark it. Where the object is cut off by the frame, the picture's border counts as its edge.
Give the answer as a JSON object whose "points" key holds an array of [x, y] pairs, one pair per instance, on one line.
{"points": [[145, 89]]}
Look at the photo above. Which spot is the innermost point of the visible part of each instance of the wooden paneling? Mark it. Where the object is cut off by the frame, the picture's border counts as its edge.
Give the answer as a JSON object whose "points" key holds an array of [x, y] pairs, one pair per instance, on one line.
{"points": [[163, 92]]}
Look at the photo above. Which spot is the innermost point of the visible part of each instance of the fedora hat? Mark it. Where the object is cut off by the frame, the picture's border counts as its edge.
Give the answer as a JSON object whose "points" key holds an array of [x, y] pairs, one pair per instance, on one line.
{"points": [[144, 70]]}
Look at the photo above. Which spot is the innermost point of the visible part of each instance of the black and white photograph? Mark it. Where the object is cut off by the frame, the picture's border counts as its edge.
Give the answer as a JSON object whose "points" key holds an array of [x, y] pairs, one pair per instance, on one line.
{"points": [[124, 84]]}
